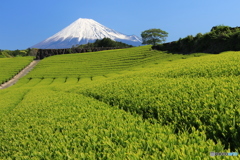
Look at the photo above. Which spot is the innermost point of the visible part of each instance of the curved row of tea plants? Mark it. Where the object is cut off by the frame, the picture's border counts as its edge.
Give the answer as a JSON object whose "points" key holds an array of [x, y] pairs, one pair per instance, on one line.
{"points": [[177, 104], [205, 95], [48, 124], [87, 65]]}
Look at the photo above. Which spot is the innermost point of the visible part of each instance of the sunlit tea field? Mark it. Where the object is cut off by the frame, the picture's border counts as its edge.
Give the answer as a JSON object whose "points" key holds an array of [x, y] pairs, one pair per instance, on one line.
{"points": [[11, 66], [124, 104]]}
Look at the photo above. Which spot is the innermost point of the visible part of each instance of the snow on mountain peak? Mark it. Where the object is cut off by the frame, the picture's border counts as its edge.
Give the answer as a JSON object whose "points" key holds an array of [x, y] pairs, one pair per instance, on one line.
{"points": [[82, 31]]}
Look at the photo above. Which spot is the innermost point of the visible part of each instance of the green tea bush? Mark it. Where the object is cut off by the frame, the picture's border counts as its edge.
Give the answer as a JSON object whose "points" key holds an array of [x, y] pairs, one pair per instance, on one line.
{"points": [[206, 97], [86, 65], [9, 67], [74, 107], [50, 124]]}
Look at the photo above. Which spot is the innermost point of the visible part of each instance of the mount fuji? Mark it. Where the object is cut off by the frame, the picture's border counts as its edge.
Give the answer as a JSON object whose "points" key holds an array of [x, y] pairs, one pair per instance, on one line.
{"points": [[84, 31]]}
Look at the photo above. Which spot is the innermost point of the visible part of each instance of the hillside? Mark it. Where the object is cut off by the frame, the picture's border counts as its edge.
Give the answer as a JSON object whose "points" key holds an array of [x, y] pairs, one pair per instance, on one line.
{"points": [[86, 65], [4, 54], [123, 104]]}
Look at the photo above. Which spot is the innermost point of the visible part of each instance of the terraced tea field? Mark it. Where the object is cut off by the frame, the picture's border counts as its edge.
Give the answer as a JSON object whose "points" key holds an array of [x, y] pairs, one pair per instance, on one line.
{"points": [[99, 63], [124, 104], [9, 67]]}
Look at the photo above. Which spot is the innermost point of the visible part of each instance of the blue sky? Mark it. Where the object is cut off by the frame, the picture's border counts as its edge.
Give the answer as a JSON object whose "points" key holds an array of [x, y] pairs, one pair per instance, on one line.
{"points": [[24, 23]]}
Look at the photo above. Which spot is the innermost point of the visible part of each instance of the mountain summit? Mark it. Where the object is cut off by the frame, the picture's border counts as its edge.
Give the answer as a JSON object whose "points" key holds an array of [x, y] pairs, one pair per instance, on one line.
{"points": [[84, 31]]}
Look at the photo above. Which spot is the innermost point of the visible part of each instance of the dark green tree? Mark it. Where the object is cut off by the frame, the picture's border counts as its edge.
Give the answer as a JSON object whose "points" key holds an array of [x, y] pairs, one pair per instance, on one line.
{"points": [[106, 42], [154, 36]]}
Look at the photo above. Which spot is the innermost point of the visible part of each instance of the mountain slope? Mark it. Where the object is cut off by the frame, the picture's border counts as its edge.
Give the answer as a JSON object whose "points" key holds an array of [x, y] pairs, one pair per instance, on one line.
{"points": [[84, 31]]}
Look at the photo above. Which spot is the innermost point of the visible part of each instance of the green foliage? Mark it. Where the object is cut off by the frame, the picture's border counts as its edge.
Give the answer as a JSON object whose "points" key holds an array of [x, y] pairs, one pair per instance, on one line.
{"points": [[95, 63], [32, 51], [14, 53], [105, 42], [47, 124], [11, 66], [154, 36], [221, 29], [18, 53], [206, 97], [74, 107], [4, 54], [221, 38]]}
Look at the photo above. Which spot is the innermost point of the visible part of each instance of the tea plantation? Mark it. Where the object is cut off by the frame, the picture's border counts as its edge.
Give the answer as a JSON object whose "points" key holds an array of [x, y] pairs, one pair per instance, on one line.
{"points": [[11, 66], [124, 104]]}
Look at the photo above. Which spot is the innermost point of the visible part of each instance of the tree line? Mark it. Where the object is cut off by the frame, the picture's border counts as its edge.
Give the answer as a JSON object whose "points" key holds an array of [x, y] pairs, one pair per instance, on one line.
{"points": [[43, 53], [13, 53], [98, 45], [105, 42], [220, 38]]}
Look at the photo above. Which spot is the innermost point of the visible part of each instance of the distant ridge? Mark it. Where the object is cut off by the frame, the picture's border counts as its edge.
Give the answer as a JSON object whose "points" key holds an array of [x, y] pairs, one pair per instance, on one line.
{"points": [[84, 31]]}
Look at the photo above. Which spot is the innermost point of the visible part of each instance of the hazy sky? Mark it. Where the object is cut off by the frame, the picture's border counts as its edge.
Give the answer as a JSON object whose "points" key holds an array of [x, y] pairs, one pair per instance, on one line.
{"points": [[24, 23]]}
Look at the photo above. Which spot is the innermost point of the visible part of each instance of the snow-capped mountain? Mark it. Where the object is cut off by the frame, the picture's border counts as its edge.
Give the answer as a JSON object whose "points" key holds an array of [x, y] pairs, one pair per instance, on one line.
{"points": [[84, 31]]}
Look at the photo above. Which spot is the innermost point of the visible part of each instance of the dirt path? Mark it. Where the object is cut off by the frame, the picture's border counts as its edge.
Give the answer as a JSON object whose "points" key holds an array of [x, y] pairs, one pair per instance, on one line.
{"points": [[19, 75]]}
